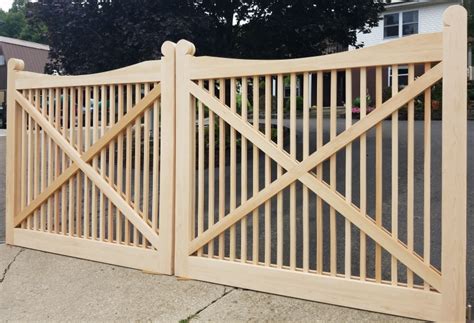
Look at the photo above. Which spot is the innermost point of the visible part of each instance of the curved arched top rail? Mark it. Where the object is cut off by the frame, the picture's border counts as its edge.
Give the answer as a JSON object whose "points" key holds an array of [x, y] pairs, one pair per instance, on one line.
{"points": [[408, 50], [148, 71]]}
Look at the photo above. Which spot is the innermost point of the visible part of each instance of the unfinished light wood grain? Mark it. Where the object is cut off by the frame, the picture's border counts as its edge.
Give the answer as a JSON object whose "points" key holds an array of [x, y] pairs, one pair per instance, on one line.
{"points": [[410, 172], [292, 222], [211, 168], [280, 171], [454, 141], [319, 174], [378, 172], [200, 192], [300, 172], [268, 175], [423, 48], [243, 170], [394, 206], [332, 175], [90, 171], [305, 189], [222, 166], [427, 176], [348, 179], [13, 158], [363, 173], [255, 170], [233, 169]]}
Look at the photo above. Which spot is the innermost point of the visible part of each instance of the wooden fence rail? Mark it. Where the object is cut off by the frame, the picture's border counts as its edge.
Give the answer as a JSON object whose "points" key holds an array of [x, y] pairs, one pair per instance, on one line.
{"points": [[307, 177]]}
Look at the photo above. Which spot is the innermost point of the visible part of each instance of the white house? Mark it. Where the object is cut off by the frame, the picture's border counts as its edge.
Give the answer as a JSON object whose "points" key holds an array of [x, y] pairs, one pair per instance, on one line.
{"points": [[404, 18]]}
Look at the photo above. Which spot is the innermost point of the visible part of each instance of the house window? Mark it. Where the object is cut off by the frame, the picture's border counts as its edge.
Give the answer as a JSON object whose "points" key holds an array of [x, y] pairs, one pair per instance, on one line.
{"points": [[2, 60], [390, 25], [402, 76], [400, 24], [410, 23]]}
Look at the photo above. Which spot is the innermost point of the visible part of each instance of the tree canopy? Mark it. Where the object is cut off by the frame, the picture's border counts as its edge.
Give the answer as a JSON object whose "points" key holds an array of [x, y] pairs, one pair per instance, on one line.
{"points": [[95, 35], [14, 23]]}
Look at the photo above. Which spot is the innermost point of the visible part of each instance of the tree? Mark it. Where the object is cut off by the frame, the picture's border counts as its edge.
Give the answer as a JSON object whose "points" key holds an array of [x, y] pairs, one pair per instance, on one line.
{"points": [[92, 36], [95, 35], [15, 24], [288, 28]]}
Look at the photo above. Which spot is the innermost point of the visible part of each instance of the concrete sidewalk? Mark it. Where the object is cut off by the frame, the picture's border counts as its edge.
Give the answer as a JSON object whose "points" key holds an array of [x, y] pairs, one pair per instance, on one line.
{"points": [[38, 286]]}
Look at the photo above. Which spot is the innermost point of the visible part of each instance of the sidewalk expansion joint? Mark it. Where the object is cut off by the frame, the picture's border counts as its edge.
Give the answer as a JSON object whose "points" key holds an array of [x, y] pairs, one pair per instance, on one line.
{"points": [[9, 265], [190, 317]]}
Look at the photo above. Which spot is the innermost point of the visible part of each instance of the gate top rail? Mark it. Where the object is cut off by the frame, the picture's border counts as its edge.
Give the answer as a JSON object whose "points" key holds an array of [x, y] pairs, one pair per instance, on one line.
{"points": [[148, 71], [414, 49]]}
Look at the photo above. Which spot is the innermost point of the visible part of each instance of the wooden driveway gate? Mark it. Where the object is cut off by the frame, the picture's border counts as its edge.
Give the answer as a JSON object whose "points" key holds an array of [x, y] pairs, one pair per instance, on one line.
{"points": [[86, 154], [259, 204], [276, 188]]}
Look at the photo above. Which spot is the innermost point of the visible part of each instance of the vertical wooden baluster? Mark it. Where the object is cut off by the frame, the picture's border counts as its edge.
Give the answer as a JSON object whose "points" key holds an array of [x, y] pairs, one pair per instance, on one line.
{"points": [[80, 135], [268, 175], [37, 175], [87, 141], [57, 162], [394, 208], [348, 193], [293, 185], [332, 174], [30, 185], [128, 163], [110, 216], [50, 160], [24, 159], [319, 174], [363, 170], [193, 111], [255, 172], [146, 162], [233, 167], [138, 154], [410, 172], [156, 159], [378, 172], [95, 123], [280, 92], [200, 191], [305, 189], [72, 137], [64, 164], [211, 168], [427, 177], [42, 106], [243, 227], [118, 216], [103, 161], [222, 167]]}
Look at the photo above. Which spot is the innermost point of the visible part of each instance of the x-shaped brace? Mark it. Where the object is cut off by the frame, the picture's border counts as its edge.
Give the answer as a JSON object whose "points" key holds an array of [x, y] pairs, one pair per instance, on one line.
{"points": [[80, 162], [302, 171]]}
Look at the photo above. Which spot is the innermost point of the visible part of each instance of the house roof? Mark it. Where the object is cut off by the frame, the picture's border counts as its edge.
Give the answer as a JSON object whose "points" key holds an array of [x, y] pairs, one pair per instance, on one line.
{"points": [[33, 54]]}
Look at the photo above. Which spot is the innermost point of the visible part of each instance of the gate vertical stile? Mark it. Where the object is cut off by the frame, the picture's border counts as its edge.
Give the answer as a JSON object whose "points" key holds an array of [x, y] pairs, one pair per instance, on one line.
{"points": [[13, 152], [184, 158], [167, 157], [454, 176]]}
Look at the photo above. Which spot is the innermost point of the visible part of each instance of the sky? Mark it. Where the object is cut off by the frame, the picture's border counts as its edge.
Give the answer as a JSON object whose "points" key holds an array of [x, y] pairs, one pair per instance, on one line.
{"points": [[5, 4]]}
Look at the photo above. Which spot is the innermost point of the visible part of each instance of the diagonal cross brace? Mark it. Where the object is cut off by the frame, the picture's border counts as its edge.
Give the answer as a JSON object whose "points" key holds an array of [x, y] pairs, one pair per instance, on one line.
{"points": [[89, 171], [300, 171], [100, 144]]}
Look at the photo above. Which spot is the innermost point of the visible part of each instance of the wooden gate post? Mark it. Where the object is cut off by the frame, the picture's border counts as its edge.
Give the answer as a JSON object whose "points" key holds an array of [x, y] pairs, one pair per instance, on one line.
{"points": [[167, 156], [185, 131], [13, 153], [454, 147]]}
